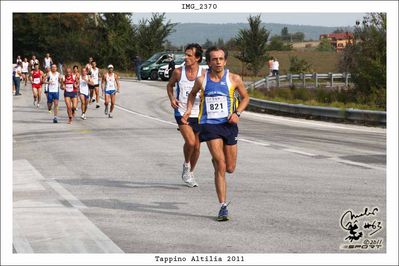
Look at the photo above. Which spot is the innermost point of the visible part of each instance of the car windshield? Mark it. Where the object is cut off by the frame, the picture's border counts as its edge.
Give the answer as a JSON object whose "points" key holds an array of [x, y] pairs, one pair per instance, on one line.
{"points": [[179, 60], [154, 57]]}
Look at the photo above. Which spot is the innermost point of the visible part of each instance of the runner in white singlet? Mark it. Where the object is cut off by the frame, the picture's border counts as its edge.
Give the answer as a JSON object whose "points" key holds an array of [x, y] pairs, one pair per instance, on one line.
{"points": [[110, 86], [185, 77]]}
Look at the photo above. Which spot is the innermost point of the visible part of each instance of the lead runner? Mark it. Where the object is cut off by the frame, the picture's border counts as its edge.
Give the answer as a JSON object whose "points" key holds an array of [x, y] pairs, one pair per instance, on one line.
{"points": [[219, 117]]}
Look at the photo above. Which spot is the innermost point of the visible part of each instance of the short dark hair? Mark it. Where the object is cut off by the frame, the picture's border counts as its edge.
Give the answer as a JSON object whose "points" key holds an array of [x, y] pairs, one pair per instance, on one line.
{"points": [[198, 50], [75, 66], [213, 49]]}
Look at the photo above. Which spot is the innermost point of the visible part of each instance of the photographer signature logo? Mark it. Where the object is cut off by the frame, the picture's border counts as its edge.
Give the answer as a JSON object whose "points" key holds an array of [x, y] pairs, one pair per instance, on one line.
{"points": [[361, 228]]}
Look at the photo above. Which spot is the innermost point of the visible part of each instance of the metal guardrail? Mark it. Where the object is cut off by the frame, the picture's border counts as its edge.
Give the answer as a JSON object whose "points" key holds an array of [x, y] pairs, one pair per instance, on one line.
{"points": [[303, 77], [319, 111]]}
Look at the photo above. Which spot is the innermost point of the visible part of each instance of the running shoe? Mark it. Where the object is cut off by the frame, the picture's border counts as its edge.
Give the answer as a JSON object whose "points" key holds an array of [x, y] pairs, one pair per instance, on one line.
{"points": [[97, 106], [187, 177], [55, 120], [110, 115], [223, 214], [50, 111], [93, 100], [38, 105], [82, 116], [106, 110], [34, 102]]}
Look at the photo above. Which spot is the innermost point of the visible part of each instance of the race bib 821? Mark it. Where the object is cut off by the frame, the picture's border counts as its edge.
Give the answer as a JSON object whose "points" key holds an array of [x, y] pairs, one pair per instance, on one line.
{"points": [[216, 107]]}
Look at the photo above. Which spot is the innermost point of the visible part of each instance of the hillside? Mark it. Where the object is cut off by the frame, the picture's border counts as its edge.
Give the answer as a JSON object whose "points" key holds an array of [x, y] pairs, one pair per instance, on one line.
{"points": [[199, 32]]}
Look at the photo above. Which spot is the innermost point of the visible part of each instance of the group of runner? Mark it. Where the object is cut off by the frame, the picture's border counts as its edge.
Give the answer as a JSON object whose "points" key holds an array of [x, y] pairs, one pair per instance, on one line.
{"points": [[77, 85], [205, 104], [207, 110]]}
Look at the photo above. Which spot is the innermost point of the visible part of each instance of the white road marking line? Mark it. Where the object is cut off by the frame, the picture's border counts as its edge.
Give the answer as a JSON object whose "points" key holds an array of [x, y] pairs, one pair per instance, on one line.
{"points": [[143, 115], [51, 227], [300, 152], [286, 120], [254, 142], [65, 194], [21, 244], [339, 160]]}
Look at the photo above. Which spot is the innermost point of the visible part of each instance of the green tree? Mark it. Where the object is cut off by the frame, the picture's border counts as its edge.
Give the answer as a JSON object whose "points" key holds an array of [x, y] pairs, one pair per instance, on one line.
{"points": [[252, 44], [299, 65], [325, 45], [277, 44], [152, 34], [117, 40], [64, 36], [365, 59], [285, 36]]}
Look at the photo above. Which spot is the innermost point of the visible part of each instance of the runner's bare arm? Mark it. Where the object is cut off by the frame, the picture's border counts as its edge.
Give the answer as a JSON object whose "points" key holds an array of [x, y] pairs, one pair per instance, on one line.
{"points": [[242, 91], [63, 83], [169, 88], [117, 82], [191, 99], [103, 80]]}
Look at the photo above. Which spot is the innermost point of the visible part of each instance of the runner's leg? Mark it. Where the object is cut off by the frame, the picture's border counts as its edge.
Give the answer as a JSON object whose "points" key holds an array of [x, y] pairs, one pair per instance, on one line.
{"points": [[97, 97], [68, 104], [55, 107], [230, 153], [39, 95], [113, 99], [189, 147], [216, 149], [34, 92]]}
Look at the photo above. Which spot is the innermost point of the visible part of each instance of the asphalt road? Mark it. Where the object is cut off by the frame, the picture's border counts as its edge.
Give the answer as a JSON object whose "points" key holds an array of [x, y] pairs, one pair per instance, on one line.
{"points": [[113, 185]]}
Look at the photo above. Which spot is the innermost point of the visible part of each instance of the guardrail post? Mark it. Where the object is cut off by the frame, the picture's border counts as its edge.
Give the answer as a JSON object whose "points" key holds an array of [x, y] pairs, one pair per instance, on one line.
{"points": [[330, 75], [302, 76], [267, 82], [346, 79], [316, 81], [289, 77], [278, 80]]}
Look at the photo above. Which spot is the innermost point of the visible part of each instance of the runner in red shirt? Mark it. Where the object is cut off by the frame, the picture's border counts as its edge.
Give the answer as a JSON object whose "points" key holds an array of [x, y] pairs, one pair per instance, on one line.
{"points": [[36, 78], [69, 83]]}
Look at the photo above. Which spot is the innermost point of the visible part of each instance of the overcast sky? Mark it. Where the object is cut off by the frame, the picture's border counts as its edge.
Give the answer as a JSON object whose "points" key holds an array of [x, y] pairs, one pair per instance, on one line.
{"points": [[315, 19]]}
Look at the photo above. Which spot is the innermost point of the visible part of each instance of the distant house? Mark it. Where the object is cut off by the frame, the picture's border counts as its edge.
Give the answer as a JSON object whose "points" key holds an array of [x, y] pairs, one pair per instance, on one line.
{"points": [[338, 40]]}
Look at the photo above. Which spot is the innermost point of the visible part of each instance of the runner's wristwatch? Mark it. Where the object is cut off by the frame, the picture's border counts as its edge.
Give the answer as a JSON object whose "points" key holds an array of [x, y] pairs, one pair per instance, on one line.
{"points": [[238, 113]]}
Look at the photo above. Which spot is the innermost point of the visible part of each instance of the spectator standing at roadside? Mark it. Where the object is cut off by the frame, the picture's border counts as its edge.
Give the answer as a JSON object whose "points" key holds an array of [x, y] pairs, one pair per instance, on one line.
{"points": [[171, 66], [275, 67], [17, 73], [270, 65], [137, 66]]}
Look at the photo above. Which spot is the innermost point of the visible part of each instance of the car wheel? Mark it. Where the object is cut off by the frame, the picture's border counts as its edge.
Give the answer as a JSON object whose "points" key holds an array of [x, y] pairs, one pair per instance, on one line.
{"points": [[154, 75]]}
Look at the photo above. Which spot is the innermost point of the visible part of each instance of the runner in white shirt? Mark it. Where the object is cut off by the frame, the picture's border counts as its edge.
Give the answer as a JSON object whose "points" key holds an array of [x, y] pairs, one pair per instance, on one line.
{"points": [[53, 82], [84, 91], [95, 77], [47, 61], [184, 78], [110, 86], [88, 66], [33, 61], [19, 59], [25, 70]]}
